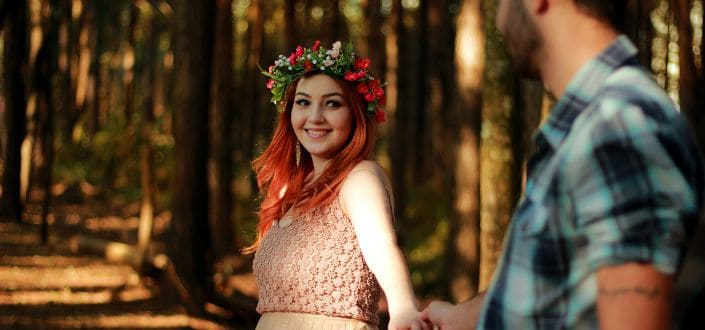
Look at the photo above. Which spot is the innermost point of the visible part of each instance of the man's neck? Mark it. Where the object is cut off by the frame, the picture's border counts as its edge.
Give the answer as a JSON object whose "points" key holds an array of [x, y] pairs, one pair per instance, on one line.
{"points": [[567, 50]]}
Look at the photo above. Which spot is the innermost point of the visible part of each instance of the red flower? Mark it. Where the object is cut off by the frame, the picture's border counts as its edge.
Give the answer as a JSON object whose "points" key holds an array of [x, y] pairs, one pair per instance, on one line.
{"points": [[270, 84], [316, 45], [308, 66], [380, 116], [374, 83], [295, 55], [369, 97], [382, 100], [362, 88], [353, 76], [361, 63], [378, 91]]}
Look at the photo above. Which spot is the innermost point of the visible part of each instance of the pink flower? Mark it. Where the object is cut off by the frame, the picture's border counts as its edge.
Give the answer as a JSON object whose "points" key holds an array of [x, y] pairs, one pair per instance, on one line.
{"points": [[270, 69], [316, 45], [270, 84]]}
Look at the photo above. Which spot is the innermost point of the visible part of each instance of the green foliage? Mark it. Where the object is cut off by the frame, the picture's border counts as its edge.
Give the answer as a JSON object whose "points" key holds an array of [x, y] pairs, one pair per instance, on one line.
{"points": [[110, 158], [423, 234]]}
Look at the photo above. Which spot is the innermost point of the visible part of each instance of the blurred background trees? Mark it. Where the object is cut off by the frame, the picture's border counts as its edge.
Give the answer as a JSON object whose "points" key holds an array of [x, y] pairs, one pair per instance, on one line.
{"points": [[160, 103]]}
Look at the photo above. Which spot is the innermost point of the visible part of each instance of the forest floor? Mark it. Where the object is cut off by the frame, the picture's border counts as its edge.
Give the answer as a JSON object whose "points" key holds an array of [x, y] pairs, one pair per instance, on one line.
{"points": [[62, 285]]}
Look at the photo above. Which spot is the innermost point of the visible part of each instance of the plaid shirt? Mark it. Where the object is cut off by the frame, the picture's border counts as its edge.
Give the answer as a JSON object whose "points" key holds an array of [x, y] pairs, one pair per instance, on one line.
{"points": [[615, 178]]}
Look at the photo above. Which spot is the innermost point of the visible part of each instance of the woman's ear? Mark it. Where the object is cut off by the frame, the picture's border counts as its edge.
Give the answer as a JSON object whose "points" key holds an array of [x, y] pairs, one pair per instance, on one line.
{"points": [[538, 7]]}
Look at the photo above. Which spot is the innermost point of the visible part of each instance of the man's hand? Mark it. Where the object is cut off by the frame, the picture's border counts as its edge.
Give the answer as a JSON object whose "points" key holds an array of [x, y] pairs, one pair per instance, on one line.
{"points": [[447, 316]]}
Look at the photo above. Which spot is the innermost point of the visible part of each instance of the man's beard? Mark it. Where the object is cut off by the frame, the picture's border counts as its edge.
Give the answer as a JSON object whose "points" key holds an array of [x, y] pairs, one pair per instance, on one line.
{"points": [[523, 41]]}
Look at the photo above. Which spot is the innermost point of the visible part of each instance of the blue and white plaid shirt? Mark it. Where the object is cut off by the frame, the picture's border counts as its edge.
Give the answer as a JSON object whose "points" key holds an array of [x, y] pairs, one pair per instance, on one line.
{"points": [[615, 178]]}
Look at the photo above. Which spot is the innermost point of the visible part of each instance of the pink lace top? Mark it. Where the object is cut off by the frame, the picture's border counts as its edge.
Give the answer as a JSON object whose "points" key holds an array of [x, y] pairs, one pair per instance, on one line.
{"points": [[314, 265]]}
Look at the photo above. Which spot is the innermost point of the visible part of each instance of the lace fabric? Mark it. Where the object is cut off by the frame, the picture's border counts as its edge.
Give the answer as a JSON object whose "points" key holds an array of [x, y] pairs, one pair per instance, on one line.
{"points": [[314, 265]]}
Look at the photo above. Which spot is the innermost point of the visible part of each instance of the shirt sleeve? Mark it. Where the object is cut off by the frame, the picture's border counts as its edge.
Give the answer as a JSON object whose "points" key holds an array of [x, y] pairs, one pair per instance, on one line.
{"points": [[630, 197]]}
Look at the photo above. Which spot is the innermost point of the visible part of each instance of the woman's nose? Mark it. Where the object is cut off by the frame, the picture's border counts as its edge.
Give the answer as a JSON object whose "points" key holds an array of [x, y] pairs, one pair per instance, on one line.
{"points": [[316, 114]]}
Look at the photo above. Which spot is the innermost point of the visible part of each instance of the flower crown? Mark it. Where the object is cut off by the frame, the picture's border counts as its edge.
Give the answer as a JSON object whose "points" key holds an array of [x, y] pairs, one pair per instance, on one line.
{"points": [[335, 62]]}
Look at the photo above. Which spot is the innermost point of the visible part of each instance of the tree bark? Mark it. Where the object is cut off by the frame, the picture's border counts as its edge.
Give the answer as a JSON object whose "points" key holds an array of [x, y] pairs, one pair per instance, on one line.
{"points": [[190, 232], [147, 179], [692, 81], [220, 162], [15, 74], [638, 27], [498, 161], [400, 102], [464, 241]]}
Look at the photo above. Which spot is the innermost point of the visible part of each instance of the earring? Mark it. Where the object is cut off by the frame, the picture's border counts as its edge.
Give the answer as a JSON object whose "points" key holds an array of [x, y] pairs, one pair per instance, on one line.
{"points": [[298, 153]]}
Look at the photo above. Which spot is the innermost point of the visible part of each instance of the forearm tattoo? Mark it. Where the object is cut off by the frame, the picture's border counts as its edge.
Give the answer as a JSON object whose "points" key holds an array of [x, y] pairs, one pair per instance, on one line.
{"points": [[646, 292]]}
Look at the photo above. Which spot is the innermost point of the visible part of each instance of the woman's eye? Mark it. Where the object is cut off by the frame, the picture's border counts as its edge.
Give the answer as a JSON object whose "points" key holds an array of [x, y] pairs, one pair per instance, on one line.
{"points": [[334, 104], [302, 102]]}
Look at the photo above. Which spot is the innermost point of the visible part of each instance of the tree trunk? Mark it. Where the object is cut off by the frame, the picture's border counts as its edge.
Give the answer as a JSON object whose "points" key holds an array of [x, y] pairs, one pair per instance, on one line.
{"points": [[190, 233], [291, 34], [220, 163], [400, 102], [45, 72], [147, 180], [692, 81], [498, 161], [248, 117], [15, 73], [464, 241], [129, 63], [638, 27]]}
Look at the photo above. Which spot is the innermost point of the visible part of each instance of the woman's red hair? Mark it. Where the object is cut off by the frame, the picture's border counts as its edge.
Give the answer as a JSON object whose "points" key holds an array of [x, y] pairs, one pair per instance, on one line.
{"points": [[282, 183]]}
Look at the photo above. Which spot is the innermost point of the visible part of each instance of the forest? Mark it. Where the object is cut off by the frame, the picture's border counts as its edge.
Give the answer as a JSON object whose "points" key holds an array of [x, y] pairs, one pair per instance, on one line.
{"points": [[129, 128]]}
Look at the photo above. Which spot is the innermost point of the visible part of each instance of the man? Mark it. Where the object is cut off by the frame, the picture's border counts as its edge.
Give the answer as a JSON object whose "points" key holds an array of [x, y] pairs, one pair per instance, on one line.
{"points": [[614, 186]]}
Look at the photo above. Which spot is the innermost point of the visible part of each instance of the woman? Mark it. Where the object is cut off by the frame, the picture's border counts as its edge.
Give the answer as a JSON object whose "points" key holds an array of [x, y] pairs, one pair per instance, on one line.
{"points": [[326, 246]]}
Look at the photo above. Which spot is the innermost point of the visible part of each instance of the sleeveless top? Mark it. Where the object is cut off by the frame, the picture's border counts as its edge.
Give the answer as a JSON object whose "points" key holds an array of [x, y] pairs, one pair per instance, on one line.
{"points": [[314, 265]]}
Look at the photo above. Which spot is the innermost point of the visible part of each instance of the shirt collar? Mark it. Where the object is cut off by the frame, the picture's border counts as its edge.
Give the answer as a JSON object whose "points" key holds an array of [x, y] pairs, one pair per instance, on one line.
{"points": [[583, 88]]}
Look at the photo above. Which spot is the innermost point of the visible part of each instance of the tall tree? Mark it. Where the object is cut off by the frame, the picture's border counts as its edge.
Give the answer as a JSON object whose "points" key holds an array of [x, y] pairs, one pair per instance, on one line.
{"points": [[692, 79], [402, 108], [248, 119], [147, 179], [15, 74], [498, 161], [291, 33], [220, 161], [637, 25], [464, 123], [189, 243]]}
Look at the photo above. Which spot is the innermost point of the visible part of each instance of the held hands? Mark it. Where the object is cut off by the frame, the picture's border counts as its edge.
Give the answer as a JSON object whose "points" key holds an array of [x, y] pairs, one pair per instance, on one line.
{"points": [[446, 316], [410, 320]]}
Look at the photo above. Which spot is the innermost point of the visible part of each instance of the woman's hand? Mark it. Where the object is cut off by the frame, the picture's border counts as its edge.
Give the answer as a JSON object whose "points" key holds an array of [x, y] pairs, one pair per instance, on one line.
{"points": [[408, 321]]}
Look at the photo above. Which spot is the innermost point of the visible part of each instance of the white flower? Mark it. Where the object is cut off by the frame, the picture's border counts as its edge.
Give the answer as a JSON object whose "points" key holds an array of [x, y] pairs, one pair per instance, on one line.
{"points": [[314, 61], [323, 67], [334, 53], [328, 62], [336, 45]]}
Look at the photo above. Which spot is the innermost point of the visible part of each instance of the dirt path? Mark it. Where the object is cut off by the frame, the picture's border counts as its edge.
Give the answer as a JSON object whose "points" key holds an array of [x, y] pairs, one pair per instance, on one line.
{"points": [[54, 287]]}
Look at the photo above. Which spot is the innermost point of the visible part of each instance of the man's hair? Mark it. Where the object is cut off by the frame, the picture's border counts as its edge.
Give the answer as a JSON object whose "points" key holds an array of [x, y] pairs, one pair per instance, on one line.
{"points": [[612, 12]]}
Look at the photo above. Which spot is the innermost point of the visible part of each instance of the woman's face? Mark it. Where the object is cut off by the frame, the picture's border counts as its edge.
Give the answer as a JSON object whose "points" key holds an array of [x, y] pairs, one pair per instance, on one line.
{"points": [[321, 118]]}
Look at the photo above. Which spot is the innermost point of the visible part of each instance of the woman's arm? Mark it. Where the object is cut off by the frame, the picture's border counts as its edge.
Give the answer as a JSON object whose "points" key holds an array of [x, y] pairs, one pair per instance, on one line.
{"points": [[366, 201]]}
